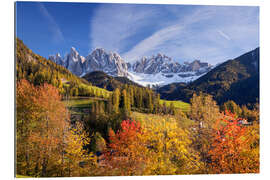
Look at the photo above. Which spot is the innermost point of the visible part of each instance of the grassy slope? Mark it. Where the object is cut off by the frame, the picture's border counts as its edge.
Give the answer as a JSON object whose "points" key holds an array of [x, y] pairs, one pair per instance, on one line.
{"points": [[81, 102], [85, 102], [21, 176], [157, 120], [185, 107]]}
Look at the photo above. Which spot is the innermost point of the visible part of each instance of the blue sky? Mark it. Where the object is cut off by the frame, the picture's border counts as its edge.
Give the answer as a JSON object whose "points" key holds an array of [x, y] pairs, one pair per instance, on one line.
{"points": [[184, 32]]}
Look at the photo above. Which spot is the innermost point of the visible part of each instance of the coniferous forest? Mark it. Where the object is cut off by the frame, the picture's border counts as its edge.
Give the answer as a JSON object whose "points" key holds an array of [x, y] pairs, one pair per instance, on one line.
{"points": [[68, 127]]}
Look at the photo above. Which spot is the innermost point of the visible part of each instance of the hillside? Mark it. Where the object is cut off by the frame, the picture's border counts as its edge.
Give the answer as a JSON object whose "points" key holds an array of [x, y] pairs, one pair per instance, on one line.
{"points": [[38, 70], [29, 64], [102, 80], [236, 80]]}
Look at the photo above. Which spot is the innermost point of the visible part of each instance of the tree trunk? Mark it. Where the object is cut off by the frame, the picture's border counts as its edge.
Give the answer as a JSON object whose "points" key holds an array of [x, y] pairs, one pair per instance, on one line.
{"points": [[44, 167]]}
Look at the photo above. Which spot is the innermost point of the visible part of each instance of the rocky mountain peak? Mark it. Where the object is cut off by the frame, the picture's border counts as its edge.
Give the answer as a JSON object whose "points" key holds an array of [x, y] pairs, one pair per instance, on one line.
{"points": [[57, 59], [112, 64], [74, 53], [98, 52], [156, 64]]}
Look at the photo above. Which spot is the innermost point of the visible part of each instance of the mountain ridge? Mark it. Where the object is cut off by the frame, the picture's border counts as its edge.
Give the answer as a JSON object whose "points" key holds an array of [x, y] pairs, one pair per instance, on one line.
{"points": [[236, 79], [160, 67], [103, 80]]}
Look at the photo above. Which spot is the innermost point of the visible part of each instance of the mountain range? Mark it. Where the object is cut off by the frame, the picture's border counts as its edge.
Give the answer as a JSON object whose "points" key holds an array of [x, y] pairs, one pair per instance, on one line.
{"points": [[156, 70], [99, 60], [236, 79]]}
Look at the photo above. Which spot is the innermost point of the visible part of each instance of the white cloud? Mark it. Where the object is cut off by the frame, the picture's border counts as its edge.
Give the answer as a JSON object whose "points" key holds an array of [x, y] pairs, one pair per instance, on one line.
{"points": [[152, 43], [113, 24], [210, 33], [52, 25], [224, 35], [163, 40]]}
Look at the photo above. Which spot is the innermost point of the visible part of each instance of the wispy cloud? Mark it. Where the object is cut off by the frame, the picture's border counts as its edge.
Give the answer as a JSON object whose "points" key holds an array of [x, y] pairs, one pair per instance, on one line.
{"points": [[57, 34], [113, 25], [224, 35], [182, 32], [169, 39]]}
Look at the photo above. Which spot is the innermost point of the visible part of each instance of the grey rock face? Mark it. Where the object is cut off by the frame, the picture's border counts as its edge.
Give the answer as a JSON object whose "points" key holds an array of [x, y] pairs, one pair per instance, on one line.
{"points": [[112, 64], [74, 62], [57, 59], [164, 64], [98, 60]]}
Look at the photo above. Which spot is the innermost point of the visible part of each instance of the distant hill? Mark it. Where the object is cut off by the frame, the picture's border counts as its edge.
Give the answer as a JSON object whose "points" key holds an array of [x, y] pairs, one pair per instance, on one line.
{"points": [[236, 80], [103, 80]]}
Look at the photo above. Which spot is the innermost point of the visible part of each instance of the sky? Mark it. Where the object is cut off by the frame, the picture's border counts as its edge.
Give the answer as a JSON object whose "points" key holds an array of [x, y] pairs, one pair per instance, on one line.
{"points": [[212, 34]]}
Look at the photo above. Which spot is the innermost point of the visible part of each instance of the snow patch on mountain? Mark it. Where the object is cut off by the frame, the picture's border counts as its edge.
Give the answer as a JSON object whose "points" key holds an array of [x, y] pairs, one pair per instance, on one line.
{"points": [[161, 79], [156, 70]]}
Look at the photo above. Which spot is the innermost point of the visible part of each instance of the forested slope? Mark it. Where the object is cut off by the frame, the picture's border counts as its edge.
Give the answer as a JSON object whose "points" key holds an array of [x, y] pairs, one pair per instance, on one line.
{"points": [[38, 70], [236, 80], [103, 80]]}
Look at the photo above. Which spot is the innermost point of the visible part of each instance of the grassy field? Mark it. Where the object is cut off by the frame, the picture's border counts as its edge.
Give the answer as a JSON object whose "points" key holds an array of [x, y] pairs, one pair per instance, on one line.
{"points": [[81, 102], [185, 107], [160, 120], [84, 102], [21, 176]]}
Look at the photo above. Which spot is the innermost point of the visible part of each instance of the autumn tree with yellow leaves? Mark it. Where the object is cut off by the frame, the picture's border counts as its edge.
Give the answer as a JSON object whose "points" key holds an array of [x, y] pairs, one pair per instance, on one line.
{"points": [[44, 138]]}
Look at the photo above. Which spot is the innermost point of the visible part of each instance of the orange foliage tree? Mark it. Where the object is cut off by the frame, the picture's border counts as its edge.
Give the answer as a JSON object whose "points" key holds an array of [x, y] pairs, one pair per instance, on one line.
{"points": [[126, 155], [149, 150], [41, 123], [234, 149]]}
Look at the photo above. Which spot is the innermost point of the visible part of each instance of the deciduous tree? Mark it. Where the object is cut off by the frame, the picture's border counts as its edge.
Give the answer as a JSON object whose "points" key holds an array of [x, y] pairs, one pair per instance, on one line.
{"points": [[235, 148]]}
